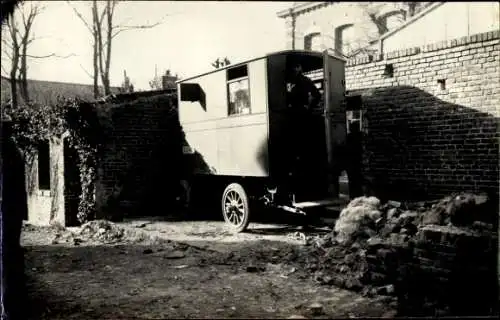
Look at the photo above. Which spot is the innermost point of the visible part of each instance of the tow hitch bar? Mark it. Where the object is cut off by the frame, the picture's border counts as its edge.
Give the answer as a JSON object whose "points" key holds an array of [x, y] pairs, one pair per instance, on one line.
{"points": [[292, 209]]}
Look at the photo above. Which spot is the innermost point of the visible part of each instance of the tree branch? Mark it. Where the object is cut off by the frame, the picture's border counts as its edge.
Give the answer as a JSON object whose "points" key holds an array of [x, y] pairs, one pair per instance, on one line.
{"points": [[127, 28], [98, 30], [80, 16], [88, 73], [52, 55], [35, 38], [103, 14], [23, 17], [11, 25], [122, 27]]}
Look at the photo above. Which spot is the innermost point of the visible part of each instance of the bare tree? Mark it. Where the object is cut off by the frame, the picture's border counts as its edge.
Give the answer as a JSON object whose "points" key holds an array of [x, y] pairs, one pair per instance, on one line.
{"points": [[11, 50], [221, 63], [378, 15], [104, 30], [17, 37], [413, 8], [127, 86], [156, 82]]}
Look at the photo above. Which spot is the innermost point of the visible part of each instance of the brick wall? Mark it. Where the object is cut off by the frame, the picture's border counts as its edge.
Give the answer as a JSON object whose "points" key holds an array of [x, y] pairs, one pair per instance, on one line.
{"points": [[424, 141], [72, 185], [443, 269], [139, 163]]}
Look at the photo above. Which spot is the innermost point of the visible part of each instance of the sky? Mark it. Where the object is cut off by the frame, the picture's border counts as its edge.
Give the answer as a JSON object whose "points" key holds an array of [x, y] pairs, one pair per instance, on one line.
{"points": [[193, 34]]}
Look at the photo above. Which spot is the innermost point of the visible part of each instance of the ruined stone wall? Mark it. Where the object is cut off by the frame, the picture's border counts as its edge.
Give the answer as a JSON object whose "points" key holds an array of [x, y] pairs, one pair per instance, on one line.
{"points": [[47, 206], [444, 269], [425, 138], [138, 164]]}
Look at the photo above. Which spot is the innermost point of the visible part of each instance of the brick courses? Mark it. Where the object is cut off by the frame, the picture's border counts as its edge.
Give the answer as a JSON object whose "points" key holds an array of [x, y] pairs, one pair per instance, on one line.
{"points": [[443, 268], [140, 160], [423, 141]]}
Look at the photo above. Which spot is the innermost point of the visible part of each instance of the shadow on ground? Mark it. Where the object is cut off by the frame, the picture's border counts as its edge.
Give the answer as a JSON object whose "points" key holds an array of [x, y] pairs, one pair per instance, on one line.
{"points": [[171, 280]]}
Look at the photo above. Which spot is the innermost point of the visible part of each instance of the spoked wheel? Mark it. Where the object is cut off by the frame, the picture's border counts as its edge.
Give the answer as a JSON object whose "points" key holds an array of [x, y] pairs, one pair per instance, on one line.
{"points": [[235, 207]]}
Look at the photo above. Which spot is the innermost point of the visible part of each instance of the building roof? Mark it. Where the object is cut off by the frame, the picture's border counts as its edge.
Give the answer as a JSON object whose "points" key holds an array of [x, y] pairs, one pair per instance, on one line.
{"points": [[301, 6], [47, 92]]}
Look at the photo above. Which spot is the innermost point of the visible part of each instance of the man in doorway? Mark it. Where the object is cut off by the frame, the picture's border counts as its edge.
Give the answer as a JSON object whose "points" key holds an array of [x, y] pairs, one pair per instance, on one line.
{"points": [[303, 93], [303, 97]]}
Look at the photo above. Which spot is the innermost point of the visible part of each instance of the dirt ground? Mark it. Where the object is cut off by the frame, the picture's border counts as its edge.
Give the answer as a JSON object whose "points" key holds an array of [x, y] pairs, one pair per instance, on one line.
{"points": [[180, 269]]}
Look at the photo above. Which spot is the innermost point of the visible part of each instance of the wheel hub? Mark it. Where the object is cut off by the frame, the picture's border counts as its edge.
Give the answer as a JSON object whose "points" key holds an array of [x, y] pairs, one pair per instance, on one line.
{"points": [[233, 211]]}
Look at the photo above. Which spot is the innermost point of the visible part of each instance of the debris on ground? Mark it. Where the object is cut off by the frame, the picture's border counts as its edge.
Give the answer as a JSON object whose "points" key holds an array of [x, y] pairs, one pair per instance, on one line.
{"points": [[316, 309], [102, 231], [96, 231], [366, 226], [299, 236], [358, 219], [175, 255]]}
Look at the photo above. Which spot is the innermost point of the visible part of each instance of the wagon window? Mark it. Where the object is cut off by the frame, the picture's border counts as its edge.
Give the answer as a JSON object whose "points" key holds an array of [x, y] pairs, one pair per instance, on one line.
{"points": [[238, 90]]}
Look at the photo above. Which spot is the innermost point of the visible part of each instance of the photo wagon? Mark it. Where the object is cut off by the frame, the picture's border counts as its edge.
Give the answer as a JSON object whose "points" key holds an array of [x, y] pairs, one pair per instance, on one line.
{"points": [[246, 144]]}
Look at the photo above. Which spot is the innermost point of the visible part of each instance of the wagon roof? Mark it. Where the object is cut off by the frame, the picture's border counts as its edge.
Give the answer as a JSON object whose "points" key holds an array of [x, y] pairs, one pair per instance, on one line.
{"points": [[288, 52]]}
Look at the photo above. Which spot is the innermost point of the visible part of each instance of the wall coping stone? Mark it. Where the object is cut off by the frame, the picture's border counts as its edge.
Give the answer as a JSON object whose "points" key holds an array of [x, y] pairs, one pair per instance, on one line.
{"points": [[437, 46]]}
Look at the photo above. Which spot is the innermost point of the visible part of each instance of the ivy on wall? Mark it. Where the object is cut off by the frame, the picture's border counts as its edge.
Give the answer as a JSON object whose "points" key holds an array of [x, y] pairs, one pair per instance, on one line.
{"points": [[75, 120]]}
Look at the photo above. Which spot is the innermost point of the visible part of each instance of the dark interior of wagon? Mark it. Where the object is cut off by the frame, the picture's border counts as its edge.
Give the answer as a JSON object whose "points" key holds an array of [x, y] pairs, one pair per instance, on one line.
{"points": [[308, 62]]}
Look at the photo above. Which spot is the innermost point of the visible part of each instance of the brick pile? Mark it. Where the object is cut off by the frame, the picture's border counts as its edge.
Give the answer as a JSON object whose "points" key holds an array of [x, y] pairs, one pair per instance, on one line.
{"points": [[430, 255]]}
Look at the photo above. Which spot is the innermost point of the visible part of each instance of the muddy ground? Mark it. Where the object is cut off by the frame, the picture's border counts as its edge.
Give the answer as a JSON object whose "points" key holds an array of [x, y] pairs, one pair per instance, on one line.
{"points": [[184, 269]]}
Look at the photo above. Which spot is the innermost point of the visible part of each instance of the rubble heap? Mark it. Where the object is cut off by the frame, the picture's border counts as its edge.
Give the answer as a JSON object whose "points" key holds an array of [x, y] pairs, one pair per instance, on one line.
{"points": [[101, 231], [369, 237]]}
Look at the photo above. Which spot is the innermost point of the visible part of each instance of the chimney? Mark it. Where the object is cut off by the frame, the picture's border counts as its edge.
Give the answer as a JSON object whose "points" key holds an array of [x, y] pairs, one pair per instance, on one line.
{"points": [[168, 81]]}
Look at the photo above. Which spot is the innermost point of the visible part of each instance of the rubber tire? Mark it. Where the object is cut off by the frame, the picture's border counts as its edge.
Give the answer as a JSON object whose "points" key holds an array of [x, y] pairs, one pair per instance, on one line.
{"points": [[246, 205]]}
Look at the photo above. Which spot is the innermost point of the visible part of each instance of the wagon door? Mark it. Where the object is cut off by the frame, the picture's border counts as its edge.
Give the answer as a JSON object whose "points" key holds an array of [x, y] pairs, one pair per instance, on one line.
{"points": [[334, 116]]}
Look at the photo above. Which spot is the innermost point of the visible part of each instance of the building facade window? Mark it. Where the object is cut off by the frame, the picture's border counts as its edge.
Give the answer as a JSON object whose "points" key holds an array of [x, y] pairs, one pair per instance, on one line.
{"points": [[312, 42], [345, 39], [238, 87]]}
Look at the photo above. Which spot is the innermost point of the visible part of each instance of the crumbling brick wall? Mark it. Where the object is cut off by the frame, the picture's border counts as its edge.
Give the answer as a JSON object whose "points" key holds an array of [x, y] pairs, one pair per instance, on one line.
{"points": [[139, 161], [424, 140], [452, 270], [443, 269]]}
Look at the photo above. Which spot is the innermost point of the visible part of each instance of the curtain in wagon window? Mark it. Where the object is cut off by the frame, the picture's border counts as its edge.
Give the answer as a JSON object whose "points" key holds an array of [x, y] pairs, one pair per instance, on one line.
{"points": [[239, 97]]}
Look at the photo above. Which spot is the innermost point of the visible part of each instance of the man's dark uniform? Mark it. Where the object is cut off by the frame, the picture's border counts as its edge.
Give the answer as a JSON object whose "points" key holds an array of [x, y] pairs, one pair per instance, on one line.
{"points": [[303, 96]]}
